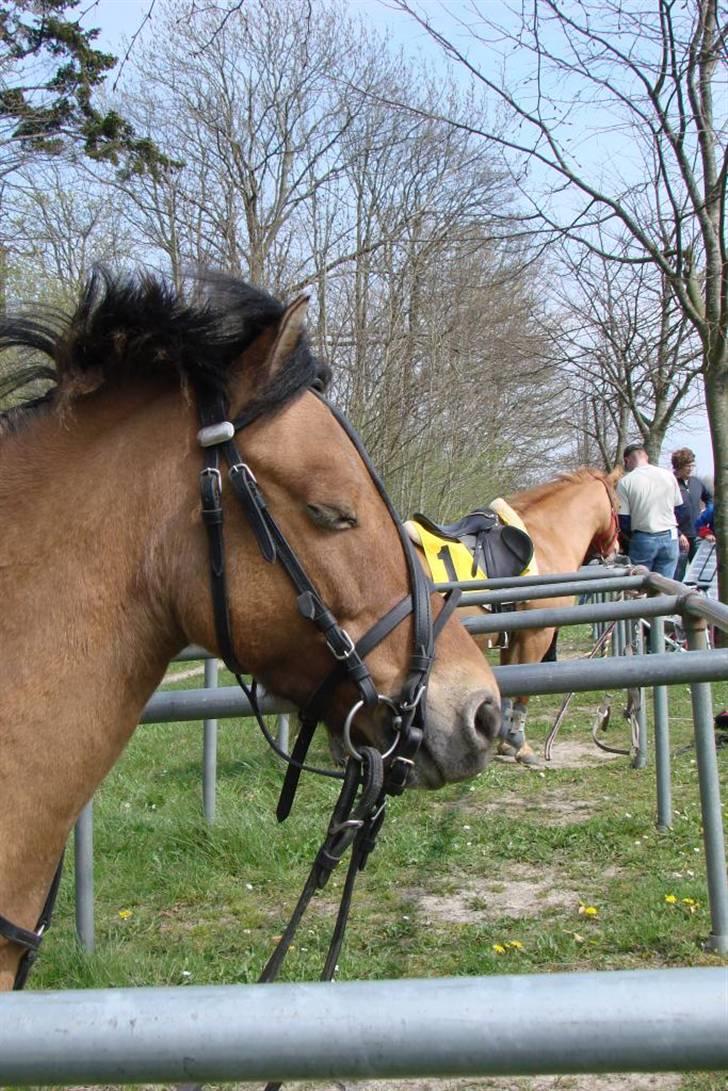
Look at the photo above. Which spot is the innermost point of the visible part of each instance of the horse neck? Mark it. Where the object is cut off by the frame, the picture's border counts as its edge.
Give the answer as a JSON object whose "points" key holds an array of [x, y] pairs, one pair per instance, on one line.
{"points": [[85, 630], [564, 523]]}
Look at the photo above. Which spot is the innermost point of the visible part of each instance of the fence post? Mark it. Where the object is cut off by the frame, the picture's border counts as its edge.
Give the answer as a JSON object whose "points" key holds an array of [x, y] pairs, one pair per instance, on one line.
{"points": [[83, 856], [662, 733], [282, 738], [637, 639], [709, 783], [209, 749]]}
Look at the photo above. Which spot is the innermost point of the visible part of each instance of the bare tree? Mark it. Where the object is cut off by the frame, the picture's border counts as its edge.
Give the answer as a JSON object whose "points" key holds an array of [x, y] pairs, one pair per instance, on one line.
{"points": [[59, 230], [293, 178], [260, 121], [606, 100], [623, 333]]}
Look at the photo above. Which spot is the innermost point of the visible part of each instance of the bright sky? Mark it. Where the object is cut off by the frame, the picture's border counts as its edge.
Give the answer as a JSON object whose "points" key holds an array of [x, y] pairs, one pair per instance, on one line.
{"points": [[118, 20]]}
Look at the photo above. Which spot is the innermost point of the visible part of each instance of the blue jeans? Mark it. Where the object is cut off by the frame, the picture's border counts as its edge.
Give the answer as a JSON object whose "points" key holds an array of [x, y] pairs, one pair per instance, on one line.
{"points": [[658, 552]]}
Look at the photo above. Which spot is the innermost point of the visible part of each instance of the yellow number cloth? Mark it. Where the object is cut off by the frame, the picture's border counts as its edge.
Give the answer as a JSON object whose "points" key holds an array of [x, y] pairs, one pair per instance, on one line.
{"points": [[460, 558]]}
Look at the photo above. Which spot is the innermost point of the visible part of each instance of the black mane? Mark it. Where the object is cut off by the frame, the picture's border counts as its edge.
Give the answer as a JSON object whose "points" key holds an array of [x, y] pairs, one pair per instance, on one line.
{"points": [[138, 327]]}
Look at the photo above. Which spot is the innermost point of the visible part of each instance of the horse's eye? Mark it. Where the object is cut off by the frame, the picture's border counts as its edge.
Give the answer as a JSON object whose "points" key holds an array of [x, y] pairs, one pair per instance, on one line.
{"points": [[329, 517]]}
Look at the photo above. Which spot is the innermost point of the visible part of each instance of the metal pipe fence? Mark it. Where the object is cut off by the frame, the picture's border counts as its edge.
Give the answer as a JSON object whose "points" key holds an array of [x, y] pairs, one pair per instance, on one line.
{"points": [[664, 1020], [659, 670], [620, 1021]]}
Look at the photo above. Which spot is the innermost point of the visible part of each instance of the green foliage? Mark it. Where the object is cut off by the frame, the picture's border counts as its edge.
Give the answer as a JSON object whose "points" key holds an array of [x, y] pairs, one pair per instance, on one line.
{"points": [[50, 71]]}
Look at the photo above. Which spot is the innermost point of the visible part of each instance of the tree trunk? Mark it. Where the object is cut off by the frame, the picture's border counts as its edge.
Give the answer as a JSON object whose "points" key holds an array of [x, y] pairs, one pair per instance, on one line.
{"points": [[716, 402]]}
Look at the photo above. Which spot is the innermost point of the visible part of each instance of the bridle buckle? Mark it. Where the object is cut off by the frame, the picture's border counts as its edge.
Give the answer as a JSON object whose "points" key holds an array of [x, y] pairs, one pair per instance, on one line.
{"points": [[345, 650], [244, 468], [212, 475], [410, 706]]}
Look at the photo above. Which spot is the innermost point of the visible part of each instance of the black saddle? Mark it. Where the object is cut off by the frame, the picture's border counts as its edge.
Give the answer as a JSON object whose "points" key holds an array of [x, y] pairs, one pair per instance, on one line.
{"points": [[473, 523], [503, 550]]}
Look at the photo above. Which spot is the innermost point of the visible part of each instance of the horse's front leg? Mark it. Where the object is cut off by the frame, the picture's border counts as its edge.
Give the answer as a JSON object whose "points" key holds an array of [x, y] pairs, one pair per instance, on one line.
{"points": [[526, 646], [512, 741]]}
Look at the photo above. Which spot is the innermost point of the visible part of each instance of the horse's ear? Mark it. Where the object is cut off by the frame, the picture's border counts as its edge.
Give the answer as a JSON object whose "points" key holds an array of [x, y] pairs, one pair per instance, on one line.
{"points": [[289, 333]]}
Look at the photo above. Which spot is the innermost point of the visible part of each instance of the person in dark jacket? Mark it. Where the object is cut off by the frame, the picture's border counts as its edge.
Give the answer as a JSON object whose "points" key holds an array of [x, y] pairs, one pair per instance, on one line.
{"points": [[694, 495]]}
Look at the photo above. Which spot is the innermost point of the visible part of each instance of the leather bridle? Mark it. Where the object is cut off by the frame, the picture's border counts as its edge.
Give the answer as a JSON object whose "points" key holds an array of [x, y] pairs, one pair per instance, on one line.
{"points": [[602, 543], [217, 439], [375, 775]]}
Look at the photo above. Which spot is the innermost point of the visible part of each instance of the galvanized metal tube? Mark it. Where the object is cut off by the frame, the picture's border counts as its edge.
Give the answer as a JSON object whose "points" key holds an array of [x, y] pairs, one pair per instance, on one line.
{"points": [[283, 731], [640, 758], [692, 602], [83, 858], [709, 782], [621, 1021], [662, 733], [209, 749], [619, 639], [565, 589], [585, 574], [169, 706], [579, 675], [559, 616]]}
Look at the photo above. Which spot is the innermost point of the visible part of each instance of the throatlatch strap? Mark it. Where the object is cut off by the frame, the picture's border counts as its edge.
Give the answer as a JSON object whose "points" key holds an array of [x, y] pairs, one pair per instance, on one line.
{"points": [[31, 940]]}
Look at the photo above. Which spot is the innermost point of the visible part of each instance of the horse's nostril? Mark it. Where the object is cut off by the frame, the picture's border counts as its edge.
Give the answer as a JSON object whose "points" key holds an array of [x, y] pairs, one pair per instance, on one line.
{"points": [[488, 718]]}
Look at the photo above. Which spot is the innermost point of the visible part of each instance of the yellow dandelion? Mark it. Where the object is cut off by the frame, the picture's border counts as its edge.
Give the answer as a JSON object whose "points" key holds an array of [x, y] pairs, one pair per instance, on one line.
{"points": [[689, 901], [515, 944], [499, 948], [670, 899], [588, 910], [125, 914]]}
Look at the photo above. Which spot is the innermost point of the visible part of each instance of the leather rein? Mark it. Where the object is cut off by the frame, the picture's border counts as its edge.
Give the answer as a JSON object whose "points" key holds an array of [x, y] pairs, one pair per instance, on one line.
{"points": [[369, 775]]}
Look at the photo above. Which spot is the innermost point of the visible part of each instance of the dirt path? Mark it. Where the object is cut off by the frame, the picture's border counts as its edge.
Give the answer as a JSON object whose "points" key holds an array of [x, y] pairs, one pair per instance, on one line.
{"points": [[640, 1081]]}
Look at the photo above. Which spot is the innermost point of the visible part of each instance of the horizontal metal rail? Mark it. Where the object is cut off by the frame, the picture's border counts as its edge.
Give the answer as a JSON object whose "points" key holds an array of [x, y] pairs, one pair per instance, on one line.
{"points": [[550, 591], [558, 616], [692, 601], [621, 1021], [585, 574], [574, 675]]}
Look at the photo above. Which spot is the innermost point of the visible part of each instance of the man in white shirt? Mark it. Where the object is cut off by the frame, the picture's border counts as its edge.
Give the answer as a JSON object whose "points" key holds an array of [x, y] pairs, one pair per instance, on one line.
{"points": [[648, 499]]}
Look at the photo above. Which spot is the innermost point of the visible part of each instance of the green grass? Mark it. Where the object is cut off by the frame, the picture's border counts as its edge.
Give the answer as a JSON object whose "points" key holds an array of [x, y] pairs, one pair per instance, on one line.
{"points": [[180, 902]]}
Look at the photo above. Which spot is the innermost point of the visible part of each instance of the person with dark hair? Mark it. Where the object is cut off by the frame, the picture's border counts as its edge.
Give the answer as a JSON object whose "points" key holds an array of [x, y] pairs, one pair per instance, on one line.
{"points": [[694, 496], [650, 504]]}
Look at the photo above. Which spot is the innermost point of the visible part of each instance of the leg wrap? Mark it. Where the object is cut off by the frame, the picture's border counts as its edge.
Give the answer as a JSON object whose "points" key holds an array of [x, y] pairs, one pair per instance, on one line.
{"points": [[515, 732]]}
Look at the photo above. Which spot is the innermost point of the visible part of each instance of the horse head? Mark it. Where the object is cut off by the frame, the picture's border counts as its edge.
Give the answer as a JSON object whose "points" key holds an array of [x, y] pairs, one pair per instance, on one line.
{"points": [[321, 491], [161, 413]]}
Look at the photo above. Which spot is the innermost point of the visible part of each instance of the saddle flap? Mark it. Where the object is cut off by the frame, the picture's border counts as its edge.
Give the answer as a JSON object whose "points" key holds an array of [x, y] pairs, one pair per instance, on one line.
{"points": [[519, 544]]}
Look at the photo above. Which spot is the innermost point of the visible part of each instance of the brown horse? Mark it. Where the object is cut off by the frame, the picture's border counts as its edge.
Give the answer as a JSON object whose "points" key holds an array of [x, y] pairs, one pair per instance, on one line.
{"points": [[105, 564], [570, 520]]}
